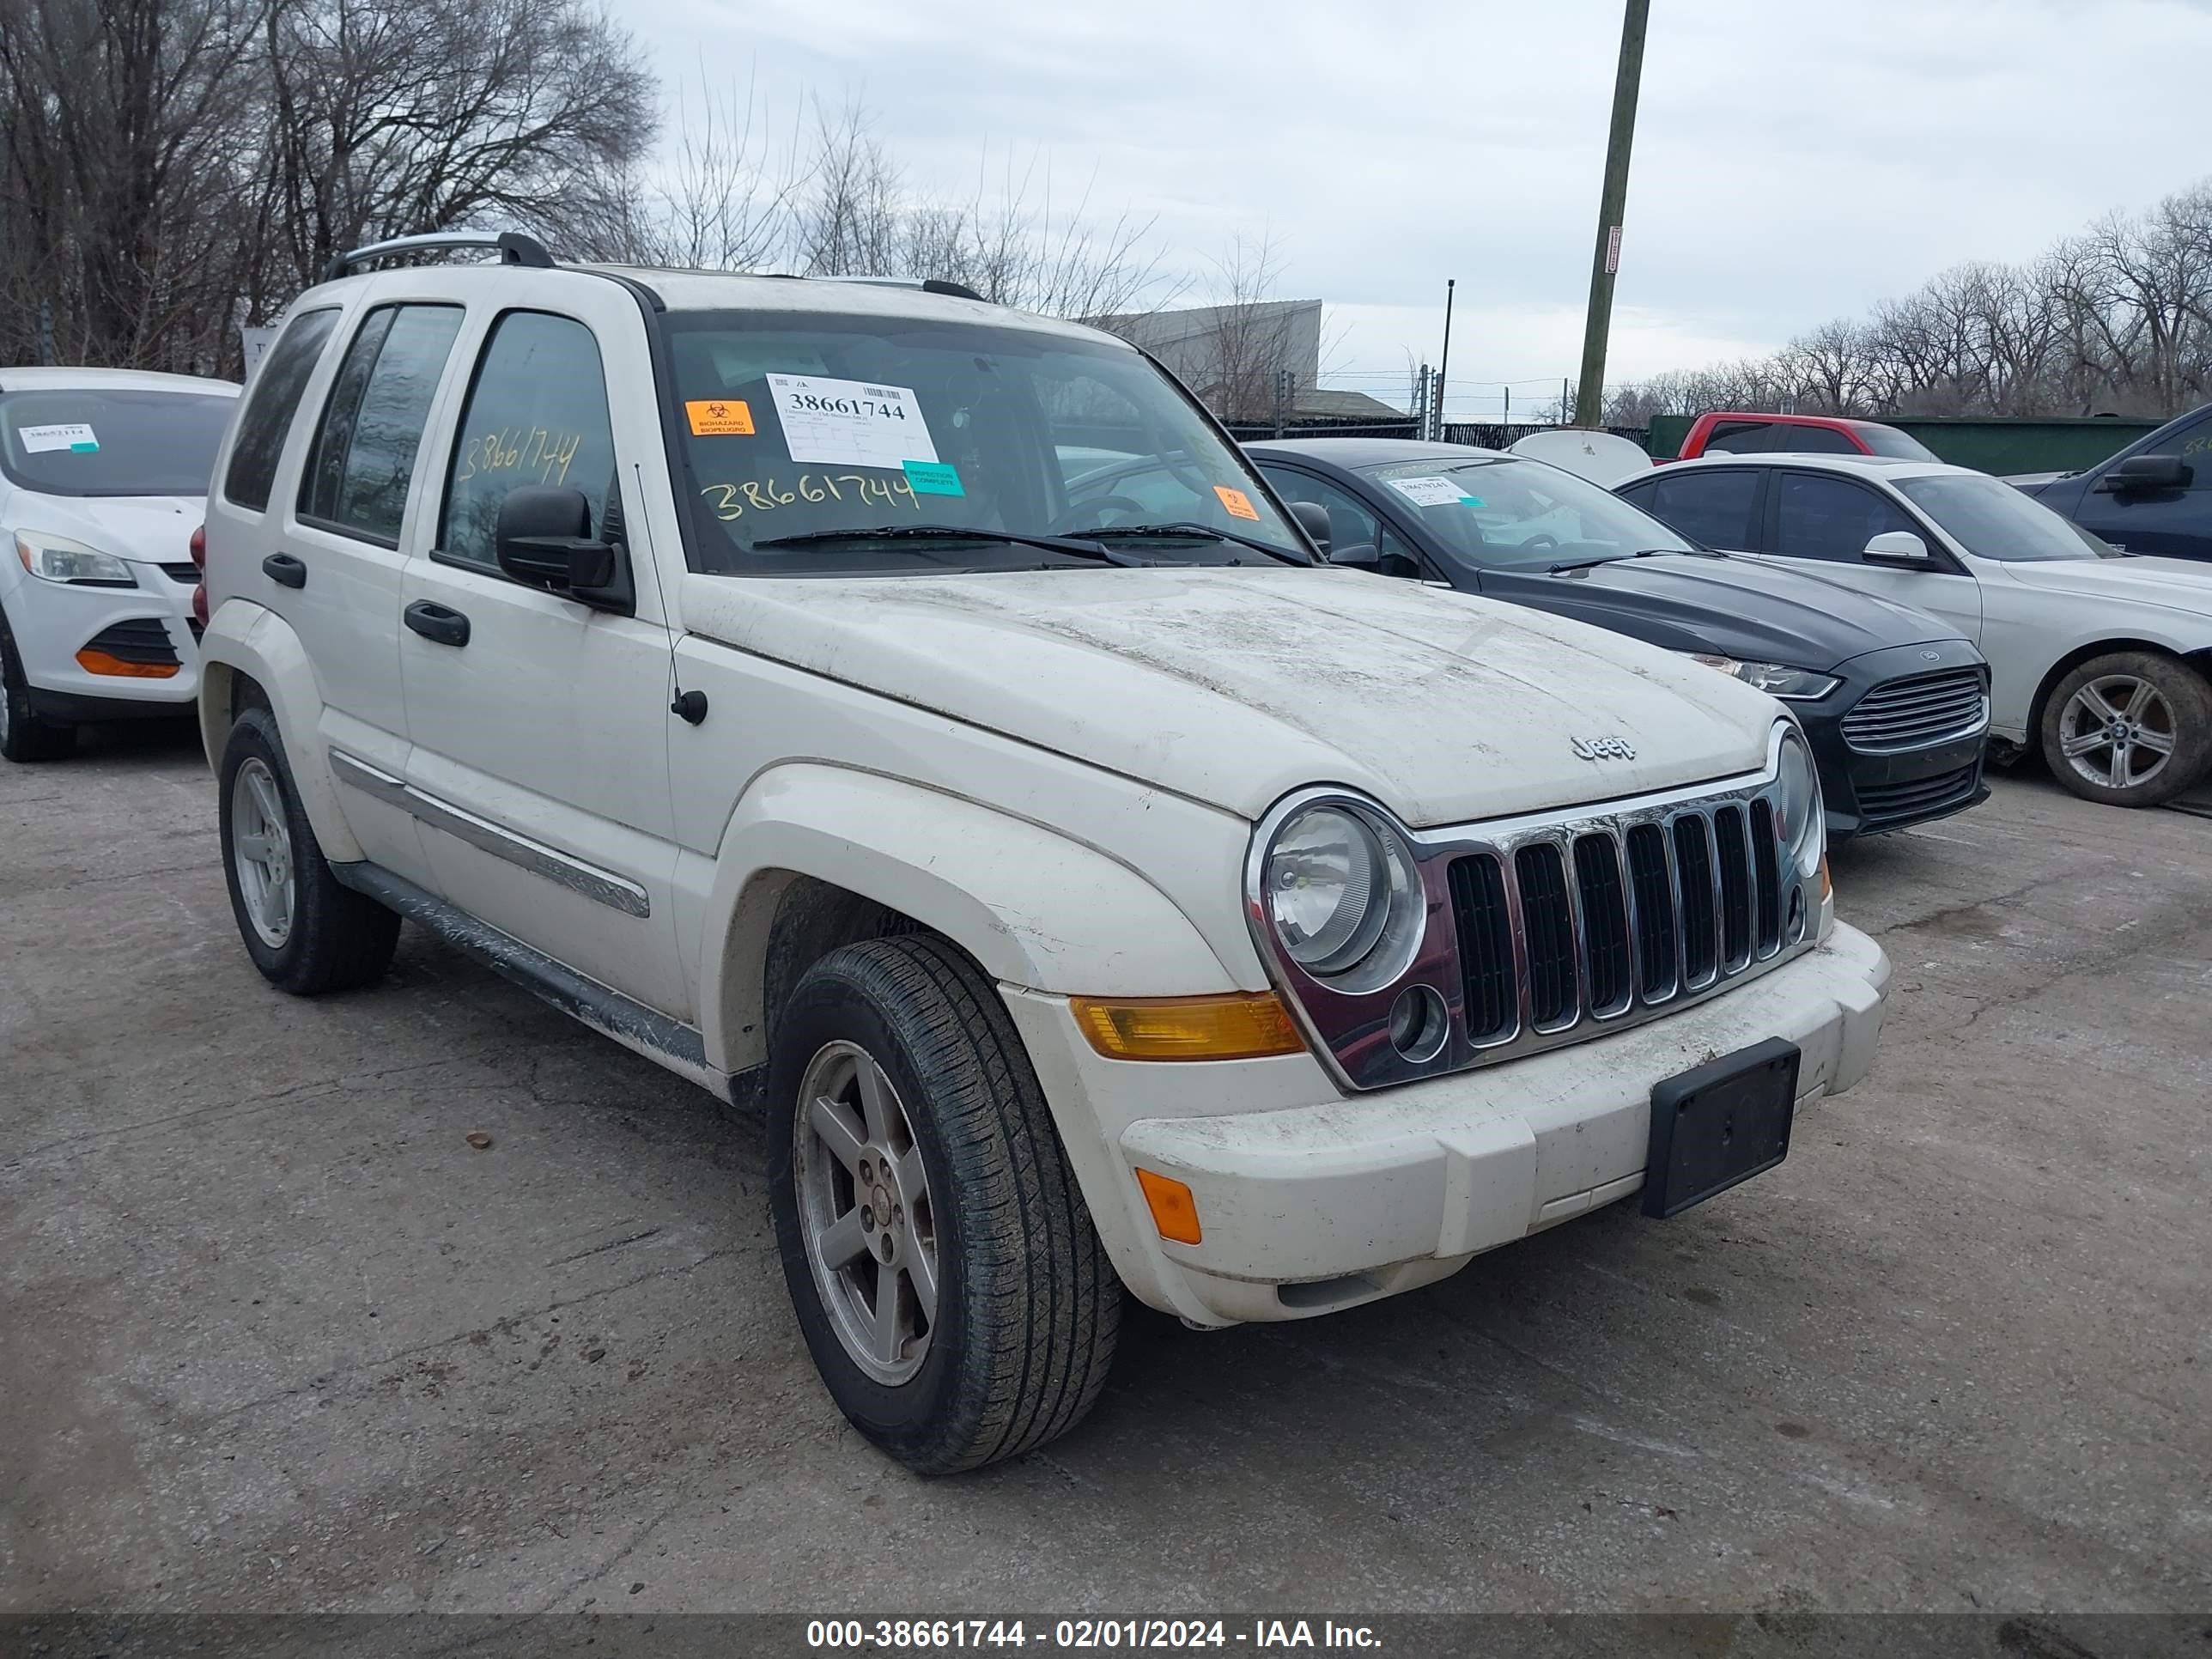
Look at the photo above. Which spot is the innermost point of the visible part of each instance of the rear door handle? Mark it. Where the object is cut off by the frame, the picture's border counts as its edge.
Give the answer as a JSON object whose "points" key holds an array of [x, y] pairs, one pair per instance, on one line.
{"points": [[442, 623], [284, 570]]}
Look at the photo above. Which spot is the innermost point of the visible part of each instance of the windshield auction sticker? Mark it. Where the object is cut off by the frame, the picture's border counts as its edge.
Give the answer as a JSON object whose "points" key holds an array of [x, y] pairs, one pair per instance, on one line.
{"points": [[850, 422], [37, 440], [1429, 492]]}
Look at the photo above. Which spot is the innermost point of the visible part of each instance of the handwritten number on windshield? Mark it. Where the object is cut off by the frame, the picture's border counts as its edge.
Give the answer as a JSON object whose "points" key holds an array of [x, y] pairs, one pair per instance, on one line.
{"points": [[732, 500]]}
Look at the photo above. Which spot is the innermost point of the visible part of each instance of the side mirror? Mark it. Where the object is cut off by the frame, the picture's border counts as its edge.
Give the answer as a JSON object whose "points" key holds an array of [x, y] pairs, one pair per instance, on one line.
{"points": [[1364, 556], [542, 536], [2145, 472], [1313, 519], [1900, 549]]}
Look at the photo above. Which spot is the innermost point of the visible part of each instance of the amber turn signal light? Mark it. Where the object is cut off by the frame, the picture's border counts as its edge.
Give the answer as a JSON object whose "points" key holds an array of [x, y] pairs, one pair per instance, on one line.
{"points": [[99, 662], [1238, 1026], [1174, 1210], [1827, 886]]}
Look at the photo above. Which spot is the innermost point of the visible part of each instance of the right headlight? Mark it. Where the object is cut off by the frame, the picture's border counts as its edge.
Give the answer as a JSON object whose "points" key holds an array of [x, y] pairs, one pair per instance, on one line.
{"points": [[1804, 817], [1344, 896], [57, 559]]}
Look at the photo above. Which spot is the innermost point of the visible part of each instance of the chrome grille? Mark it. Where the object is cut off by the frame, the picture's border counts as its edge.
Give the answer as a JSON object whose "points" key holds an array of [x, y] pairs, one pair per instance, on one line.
{"points": [[1545, 929], [1918, 711]]}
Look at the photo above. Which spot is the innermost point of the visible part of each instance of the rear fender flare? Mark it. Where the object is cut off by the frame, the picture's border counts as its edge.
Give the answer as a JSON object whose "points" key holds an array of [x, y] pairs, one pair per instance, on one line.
{"points": [[245, 638]]}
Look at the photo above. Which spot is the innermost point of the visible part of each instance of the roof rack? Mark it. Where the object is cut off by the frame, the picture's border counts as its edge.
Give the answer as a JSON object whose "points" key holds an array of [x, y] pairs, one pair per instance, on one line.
{"points": [[514, 249], [927, 284]]}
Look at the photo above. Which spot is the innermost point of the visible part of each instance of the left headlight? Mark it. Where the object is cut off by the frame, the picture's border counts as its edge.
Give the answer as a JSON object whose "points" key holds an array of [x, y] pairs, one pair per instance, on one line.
{"points": [[57, 559], [1776, 679], [1804, 817], [1344, 896]]}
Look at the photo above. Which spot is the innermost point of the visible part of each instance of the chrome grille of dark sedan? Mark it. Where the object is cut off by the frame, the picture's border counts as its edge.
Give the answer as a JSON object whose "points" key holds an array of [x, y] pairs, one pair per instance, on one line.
{"points": [[1918, 711]]}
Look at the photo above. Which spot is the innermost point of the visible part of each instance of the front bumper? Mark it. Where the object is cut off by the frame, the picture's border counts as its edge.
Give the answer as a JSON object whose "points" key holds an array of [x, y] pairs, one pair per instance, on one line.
{"points": [[1310, 1200], [1867, 791], [53, 620]]}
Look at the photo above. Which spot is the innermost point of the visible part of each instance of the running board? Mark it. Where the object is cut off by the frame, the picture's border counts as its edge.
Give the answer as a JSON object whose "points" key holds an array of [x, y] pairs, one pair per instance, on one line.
{"points": [[636, 1027]]}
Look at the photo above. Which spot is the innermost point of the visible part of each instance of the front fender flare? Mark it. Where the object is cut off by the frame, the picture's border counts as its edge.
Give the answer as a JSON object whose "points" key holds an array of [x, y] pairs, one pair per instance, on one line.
{"points": [[245, 638], [1034, 908]]}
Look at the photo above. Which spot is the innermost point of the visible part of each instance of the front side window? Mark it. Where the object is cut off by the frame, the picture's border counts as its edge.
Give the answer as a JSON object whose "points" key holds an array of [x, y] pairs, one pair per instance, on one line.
{"points": [[805, 434], [363, 459], [114, 440], [1888, 441], [1505, 514], [1812, 440], [1992, 520], [270, 403], [1820, 516], [536, 415], [1351, 524]]}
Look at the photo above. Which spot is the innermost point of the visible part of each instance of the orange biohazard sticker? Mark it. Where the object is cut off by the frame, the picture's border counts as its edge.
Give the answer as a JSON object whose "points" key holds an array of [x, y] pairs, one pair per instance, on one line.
{"points": [[724, 417], [1238, 503]]}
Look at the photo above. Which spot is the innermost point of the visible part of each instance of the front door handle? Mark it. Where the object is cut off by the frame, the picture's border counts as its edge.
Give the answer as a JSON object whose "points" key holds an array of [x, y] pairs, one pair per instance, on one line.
{"points": [[436, 621], [284, 570]]}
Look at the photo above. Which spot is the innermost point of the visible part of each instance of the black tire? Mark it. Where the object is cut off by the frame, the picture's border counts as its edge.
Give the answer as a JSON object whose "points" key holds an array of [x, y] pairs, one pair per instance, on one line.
{"points": [[1028, 1307], [2188, 711], [338, 939], [24, 737]]}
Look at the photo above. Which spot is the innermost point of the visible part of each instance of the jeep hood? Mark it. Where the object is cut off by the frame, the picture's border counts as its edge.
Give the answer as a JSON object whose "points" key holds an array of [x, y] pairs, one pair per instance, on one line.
{"points": [[1233, 686]]}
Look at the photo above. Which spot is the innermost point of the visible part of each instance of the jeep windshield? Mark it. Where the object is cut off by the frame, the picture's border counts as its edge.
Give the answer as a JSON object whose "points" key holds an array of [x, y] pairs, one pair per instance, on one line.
{"points": [[810, 441], [114, 440]]}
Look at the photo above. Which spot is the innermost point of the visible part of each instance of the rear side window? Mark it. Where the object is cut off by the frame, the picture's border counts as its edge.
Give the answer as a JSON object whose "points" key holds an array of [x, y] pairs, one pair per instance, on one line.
{"points": [[358, 472], [537, 415], [270, 403], [1740, 438], [1820, 516], [1712, 508]]}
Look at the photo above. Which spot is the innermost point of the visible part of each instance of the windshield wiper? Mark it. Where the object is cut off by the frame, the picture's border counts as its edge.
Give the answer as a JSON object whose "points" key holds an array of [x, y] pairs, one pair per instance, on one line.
{"points": [[1184, 531], [1614, 558], [946, 532]]}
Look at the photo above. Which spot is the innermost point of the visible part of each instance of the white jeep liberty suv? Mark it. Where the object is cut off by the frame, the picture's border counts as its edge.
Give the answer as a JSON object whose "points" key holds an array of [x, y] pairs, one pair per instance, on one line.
{"points": [[1096, 888]]}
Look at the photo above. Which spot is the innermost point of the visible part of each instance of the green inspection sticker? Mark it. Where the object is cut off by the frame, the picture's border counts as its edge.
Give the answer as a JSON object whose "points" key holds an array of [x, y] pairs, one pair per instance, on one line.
{"points": [[933, 477]]}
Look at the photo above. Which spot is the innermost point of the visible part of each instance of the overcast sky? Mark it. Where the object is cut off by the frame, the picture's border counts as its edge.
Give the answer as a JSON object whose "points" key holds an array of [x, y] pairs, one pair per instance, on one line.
{"points": [[1794, 160]]}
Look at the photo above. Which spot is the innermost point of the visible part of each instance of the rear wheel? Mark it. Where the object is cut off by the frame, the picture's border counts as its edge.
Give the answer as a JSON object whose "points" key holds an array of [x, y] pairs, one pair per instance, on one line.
{"points": [[2130, 728], [943, 1269], [306, 932], [23, 735]]}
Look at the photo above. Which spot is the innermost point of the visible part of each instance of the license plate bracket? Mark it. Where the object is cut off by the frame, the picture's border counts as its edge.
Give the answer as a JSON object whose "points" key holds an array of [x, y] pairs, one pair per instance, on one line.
{"points": [[1720, 1124]]}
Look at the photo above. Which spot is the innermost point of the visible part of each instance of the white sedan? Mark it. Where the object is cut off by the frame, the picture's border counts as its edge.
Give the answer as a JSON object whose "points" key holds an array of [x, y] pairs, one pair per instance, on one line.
{"points": [[2098, 658], [103, 480]]}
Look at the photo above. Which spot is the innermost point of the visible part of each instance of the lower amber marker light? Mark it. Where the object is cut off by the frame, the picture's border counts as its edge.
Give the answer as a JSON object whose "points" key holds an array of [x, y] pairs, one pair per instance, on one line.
{"points": [[1174, 1208], [1239, 1026], [99, 662]]}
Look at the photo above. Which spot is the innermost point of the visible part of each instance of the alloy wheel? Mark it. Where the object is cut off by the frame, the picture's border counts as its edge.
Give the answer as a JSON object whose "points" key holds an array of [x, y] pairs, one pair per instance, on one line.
{"points": [[864, 1212], [2117, 731], [261, 852]]}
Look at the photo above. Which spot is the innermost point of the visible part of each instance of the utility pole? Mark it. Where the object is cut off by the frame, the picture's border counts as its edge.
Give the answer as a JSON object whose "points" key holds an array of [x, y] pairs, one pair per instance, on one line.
{"points": [[1443, 364], [1589, 396], [1421, 404]]}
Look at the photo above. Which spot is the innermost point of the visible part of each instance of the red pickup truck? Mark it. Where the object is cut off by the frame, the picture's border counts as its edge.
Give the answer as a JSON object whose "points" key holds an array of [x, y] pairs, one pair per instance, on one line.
{"points": [[1730, 432]]}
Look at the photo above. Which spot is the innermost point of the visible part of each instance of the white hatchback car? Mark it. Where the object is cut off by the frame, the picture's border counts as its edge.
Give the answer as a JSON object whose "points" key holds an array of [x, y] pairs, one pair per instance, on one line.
{"points": [[103, 475], [2097, 659]]}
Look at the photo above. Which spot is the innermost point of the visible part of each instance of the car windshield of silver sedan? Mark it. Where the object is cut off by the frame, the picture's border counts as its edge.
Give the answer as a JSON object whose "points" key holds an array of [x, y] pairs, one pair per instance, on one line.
{"points": [[115, 440], [822, 445], [1504, 514], [1992, 520]]}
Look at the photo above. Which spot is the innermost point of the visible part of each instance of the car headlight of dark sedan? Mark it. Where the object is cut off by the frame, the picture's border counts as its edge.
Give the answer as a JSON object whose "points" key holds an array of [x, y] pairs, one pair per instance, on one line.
{"points": [[1776, 679]]}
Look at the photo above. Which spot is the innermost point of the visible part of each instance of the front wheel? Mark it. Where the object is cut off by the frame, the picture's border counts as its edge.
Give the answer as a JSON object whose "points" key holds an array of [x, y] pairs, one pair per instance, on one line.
{"points": [[23, 735], [943, 1269], [305, 932], [2130, 728]]}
